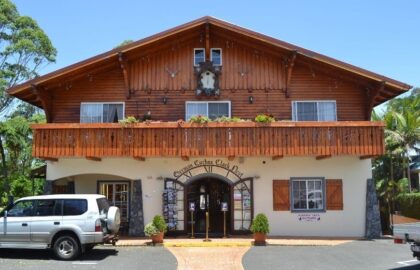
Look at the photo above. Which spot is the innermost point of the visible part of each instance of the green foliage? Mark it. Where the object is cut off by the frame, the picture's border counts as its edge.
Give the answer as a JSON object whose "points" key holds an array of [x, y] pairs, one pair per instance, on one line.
{"points": [[264, 118], [409, 204], [200, 119], [260, 224], [160, 223], [129, 120], [125, 42], [225, 119], [150, 229], [24, 48]]}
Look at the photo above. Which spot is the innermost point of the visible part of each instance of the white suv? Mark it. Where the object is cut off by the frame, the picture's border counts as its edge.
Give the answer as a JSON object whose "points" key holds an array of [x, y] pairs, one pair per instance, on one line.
{"points": [[69, 224]]}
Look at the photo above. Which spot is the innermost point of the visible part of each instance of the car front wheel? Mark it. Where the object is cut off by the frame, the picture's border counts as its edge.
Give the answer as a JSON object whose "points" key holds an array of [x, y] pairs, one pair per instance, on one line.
{"points": [[66, 248]]}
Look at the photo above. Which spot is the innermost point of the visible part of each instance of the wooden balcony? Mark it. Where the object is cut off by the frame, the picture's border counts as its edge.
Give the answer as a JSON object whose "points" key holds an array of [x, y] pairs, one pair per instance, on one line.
{"points": [[173, 139]]}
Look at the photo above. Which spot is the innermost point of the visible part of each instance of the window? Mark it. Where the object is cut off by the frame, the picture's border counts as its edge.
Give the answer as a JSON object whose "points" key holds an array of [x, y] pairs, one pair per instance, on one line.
{"points": [[314, 111], [211, 109], [307, 194], [199, 56], [101, 112], [21, 209], [216, 56], [74, 207], [48, 208]]}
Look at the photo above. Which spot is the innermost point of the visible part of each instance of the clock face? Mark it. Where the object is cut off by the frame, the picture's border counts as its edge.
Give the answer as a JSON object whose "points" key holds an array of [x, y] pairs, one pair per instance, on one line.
{"points": [[207, 80]]}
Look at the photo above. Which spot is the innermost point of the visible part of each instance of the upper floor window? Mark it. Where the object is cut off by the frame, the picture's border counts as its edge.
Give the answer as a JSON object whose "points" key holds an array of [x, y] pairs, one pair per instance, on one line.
{"points": [[211, 109], [101, 112], [314, 111], [199, 56], [216, 56]]}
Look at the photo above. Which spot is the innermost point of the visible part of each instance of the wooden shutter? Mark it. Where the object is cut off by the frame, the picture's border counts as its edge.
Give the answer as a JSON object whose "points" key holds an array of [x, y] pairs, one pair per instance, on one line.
{"points": [[281, 199], [334, 194]]}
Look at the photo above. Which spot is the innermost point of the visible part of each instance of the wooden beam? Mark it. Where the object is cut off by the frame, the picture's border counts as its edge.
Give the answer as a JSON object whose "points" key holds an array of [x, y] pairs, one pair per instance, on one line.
{"points": [[139, 158], [231, 158], [373, 94], [276, 157], [185, 158], [289, 70], [323, 157], [45, 101], [207, 42], [49, 158], [366, 157], [124, 68], [93, 158]]}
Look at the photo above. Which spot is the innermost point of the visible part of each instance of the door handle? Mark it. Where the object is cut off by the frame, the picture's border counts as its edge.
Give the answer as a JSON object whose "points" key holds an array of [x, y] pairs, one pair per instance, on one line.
{"points": [[24, 224], [56, 223]]}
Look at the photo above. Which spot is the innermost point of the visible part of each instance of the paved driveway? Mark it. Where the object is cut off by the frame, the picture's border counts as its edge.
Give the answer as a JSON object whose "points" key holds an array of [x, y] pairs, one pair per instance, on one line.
{"points": [[139, 258], [372, 255]]}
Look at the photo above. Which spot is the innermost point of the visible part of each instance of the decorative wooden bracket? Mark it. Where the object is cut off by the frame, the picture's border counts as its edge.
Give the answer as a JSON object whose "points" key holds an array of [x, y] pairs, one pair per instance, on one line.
{"points": [[185, 158], [139, 158], [45, 101], [372, 95], [54, 159], [323, 157], [366, 157], [277, 157], [93, 158], [231, 158], [289, 70], [124, 68], [207, 42]]}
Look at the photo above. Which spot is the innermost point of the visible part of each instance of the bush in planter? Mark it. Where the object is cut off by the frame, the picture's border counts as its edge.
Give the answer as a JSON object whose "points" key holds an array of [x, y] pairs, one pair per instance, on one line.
{"points": [[150, 229], [160, 223], [200, 119], [260, 224], [264, 118]]}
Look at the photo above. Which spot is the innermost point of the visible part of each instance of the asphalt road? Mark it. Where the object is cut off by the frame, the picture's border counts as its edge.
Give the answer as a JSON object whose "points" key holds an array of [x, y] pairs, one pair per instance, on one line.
{"points": [[372, 255], [121, 258]]}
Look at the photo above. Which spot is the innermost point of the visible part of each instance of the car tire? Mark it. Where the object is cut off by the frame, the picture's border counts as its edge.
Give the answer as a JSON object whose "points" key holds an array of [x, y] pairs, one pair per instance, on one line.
{"points": [[113, 219], [66, 248]]}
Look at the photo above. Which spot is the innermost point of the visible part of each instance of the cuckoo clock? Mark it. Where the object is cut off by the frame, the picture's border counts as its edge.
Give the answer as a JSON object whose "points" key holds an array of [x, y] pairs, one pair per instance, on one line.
{"points": [[207, 79]]}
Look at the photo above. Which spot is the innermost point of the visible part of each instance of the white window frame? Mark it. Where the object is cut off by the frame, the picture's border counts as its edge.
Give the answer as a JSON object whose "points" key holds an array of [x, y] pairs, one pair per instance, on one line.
{"points": [[307, 179], [294, 105], [221, 55], [207, 107], [102, 103], [197, 49]]}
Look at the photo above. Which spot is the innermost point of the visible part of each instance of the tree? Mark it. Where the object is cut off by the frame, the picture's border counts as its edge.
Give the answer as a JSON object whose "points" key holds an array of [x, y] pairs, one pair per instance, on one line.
{"points": [[24, 49]]}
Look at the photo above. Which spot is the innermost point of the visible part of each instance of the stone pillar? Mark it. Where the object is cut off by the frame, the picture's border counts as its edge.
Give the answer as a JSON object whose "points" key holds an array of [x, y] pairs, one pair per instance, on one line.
{"points": [[136, 225], [373, 219], [48, 187]]}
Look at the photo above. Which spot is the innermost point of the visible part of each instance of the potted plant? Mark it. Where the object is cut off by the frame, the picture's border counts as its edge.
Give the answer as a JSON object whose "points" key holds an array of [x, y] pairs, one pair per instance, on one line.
{"points": [[156, 229], [260, 228], [264, 118]]}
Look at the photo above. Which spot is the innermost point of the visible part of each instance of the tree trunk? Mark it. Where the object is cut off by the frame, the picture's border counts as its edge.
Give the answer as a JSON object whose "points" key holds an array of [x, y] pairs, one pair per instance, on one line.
{"points": [[407, 149], [4, 168]]}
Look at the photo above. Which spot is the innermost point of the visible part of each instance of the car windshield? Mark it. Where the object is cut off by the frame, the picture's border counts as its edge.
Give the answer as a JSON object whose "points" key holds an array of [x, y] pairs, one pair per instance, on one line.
{"points": [[103, 205]]}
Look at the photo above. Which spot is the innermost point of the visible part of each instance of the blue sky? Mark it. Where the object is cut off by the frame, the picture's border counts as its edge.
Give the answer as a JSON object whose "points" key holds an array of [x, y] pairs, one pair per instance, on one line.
{"points": [[380, 35]]}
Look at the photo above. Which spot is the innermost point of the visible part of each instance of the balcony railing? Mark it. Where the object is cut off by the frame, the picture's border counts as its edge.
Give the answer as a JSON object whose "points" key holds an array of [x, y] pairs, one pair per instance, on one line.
{"points": [[173, 139]]}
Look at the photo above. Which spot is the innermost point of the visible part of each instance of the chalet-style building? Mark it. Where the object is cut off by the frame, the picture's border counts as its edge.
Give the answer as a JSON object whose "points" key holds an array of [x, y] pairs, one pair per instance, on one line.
{"points": [[308, 171]]}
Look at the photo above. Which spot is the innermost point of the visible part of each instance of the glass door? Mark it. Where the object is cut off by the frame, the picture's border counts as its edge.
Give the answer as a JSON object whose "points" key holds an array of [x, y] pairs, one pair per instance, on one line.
{"points": [[117, 194]]}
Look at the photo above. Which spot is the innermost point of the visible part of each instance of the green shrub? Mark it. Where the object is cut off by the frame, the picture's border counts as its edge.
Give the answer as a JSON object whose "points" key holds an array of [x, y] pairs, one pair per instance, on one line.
{"points": [[200, 119], [225, 119], [260, 224], [150, 229], [264, 118], [128, 120], [160, 223], [409, 204]]}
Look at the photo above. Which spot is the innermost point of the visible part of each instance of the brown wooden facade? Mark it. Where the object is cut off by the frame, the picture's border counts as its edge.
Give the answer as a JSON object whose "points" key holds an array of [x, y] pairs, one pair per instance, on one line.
{"points": [[272, 72]]}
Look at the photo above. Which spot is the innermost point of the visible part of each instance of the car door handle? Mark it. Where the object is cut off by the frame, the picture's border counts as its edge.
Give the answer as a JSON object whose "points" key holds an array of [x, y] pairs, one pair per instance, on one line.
{"points": [[56, 223], [24, 224]]}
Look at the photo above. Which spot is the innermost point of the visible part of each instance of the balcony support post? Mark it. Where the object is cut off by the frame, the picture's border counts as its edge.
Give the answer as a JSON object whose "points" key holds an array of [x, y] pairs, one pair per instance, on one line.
{"points": [[289, 70], [373, 94], [45, 101]]}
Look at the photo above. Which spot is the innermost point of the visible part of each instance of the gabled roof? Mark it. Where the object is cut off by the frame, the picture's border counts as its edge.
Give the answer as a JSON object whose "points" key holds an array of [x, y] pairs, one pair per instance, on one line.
{"points": [[23, 90]]}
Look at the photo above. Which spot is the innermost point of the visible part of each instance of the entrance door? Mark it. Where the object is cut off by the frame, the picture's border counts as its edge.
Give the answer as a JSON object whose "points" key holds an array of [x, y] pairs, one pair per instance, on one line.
{"points": [[208, 194], [117, 194]]}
